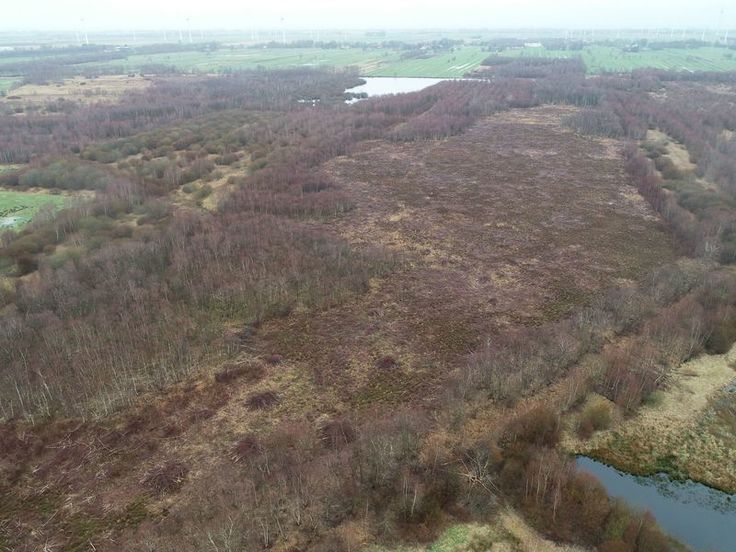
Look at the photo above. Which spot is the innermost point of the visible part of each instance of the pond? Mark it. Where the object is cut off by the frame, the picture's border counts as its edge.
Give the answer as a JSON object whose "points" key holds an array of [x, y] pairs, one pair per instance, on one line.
{"points": [[379, 86], [701, 517], [10, 222]]}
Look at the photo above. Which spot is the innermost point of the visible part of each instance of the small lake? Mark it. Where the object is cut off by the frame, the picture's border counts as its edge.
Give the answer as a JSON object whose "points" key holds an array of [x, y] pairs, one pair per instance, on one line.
{"points": [[380, 86], [10, 222], [701, 517]]}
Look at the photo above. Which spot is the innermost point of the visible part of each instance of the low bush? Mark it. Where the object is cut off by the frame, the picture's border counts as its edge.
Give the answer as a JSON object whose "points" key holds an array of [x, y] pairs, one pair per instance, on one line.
{"points": [[262, 401], [165, 478], [594, 417]]}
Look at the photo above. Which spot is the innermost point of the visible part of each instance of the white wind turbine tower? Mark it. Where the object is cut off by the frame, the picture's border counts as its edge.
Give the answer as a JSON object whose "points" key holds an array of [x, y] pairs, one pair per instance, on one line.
{"points": [[189, 30], [84, 30], [283, 32], [724, 24]]}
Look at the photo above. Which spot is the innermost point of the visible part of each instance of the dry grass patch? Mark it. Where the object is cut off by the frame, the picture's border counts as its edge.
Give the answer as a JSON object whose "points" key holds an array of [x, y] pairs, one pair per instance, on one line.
{"points": [[676, 152], [684, 431], [107, 88], [530, 540]]}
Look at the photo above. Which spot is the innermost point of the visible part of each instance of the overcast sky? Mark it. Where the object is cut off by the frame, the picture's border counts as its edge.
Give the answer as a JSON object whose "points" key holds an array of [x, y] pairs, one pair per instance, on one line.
{"points": [[333, 14]]}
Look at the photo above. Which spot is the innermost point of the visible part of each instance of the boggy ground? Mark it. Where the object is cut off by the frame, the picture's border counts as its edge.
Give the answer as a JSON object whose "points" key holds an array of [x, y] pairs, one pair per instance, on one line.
{"points": [[522, 215], [516, 221]]}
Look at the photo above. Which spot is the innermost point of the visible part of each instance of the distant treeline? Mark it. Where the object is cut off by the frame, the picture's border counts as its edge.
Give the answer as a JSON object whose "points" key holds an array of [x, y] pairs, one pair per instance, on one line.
{"points": [[434, 45], [576, 44]]}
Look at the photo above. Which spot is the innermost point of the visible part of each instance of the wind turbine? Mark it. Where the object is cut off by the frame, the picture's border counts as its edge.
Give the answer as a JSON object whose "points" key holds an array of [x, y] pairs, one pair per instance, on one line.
{"points": [[84, 30], [724, 24], [283, 31], [189, 30]]}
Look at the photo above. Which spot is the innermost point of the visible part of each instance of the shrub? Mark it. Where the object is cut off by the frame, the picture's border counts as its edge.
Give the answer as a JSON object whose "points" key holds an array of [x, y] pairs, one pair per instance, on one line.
{"points": [[165, 478], [261, 401], [203, 192], [153, 211], [245, 448], [667, 168], [67, 175], [594, 418], [26, 264], [337, 433], [654, 398], [386, 363], [251, 372], [540, 426], [596, 122], [723, 335], [227, 159]]}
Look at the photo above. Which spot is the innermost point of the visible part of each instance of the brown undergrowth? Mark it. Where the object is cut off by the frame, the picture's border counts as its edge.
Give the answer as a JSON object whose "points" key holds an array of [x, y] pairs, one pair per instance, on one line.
{"points": [[515, 223]]}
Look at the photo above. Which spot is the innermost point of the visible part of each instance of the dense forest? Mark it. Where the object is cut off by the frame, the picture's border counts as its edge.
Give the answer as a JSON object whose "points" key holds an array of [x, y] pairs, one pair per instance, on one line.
{"points": [[150, 278]]}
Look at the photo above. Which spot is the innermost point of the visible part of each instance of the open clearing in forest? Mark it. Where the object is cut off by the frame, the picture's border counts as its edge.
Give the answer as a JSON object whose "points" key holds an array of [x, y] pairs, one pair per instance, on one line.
{"points": [[107, 88], [18, 208], [516, 222], [510, 534], [677, 153]]}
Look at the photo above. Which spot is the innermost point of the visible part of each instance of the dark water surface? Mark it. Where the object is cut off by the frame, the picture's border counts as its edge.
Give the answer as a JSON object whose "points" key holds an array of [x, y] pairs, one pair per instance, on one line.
{"points": [[701, 517]]}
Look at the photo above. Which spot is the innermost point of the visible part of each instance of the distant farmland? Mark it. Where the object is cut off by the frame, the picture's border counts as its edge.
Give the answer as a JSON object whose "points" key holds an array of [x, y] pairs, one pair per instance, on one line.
{"points": [[378, 62], [394, 62], [371, 62], [455, 63], [6, 83], [599, 59]]}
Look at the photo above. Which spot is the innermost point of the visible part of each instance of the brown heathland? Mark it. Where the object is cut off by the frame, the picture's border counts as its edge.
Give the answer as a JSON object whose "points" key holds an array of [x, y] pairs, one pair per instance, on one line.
{"points": [[515, 222]]}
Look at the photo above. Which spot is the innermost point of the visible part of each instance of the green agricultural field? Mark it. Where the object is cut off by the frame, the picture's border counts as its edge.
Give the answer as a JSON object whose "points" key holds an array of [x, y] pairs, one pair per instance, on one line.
{"points": [[6, 83], [251, 58], [456, 63], [600, 59], [451, 64], [18, 208], [371, 62]]}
